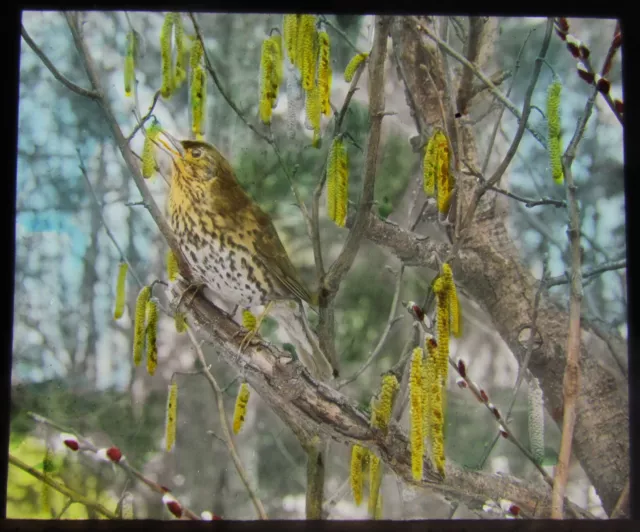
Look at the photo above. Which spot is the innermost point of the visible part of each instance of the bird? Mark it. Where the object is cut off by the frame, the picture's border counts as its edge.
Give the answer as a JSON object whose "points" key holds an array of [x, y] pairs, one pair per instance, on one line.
{"points": [[233, 248]]}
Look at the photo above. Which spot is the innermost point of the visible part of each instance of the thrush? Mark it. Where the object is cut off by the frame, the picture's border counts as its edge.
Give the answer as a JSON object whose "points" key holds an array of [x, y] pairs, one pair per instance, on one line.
{"points": [[233, 247]]}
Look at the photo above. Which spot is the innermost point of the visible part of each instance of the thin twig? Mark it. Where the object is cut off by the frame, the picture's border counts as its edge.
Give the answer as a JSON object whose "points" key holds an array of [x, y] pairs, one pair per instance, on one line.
{"points": [[608, 267], [74, 496], [523, 369], [94, 95], [111, 236], [623, 502], [526, 111], [391, 321], [342, 34], [87, 445], [225, 426], [146, 117], [571, 381], [123, 146], [343, 263], [496, 128], [64, 508], [494, 90]]}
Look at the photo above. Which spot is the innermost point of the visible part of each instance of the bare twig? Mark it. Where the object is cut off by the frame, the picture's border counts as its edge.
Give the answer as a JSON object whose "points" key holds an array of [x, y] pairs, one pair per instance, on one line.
{"points": [[391, 320], [146, 117], [123, 145], [339, 32], [73, 496], [523, 369], [571, 383], [493, 180], [111, 236], [93, 94], [494, 90], [608, 267], [225, 426], [494, 133], [87, 446], [343, 263]]}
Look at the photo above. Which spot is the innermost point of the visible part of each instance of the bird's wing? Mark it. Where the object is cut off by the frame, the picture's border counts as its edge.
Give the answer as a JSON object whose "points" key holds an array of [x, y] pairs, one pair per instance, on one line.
{"points": [[270, 251]]}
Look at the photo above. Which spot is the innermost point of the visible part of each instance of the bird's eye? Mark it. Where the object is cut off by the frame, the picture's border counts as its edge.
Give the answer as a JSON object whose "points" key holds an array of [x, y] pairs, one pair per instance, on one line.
{"points": [[196, 153]]}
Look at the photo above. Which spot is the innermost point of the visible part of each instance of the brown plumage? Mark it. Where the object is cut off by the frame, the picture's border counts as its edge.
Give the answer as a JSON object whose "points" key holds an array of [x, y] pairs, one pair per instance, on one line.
{"points": [[231, 243], [228, 239]]}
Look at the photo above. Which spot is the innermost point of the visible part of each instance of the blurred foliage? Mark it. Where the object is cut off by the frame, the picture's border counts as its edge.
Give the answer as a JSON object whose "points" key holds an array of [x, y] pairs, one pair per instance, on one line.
{"points": [[29, 498]]}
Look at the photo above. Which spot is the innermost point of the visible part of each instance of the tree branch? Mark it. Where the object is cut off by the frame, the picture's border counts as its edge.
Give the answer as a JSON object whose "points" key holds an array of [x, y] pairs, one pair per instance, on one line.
{"points": [[94, 95], [572, 376], [73, 495], [312, 408], [343, 263], [607, 267], [228, 439]]}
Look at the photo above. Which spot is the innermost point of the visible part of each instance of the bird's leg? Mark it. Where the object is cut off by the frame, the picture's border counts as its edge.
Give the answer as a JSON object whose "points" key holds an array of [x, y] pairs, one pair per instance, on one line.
{"points": [[196, 287], [251, 334]]}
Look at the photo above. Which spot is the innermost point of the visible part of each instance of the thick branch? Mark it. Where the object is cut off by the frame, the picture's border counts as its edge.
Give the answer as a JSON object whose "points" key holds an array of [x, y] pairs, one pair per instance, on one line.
{"points": [[490, 269], [313, 409], [343, 263]]}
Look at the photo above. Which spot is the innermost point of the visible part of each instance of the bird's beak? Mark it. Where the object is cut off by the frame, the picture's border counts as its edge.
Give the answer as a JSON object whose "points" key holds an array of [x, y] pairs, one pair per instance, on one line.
{"points": [[176, 149]]}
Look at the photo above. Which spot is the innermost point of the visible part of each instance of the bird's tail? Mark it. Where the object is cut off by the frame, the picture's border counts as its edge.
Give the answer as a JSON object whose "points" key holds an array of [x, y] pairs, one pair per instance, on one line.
{"points": [[292, 318]]}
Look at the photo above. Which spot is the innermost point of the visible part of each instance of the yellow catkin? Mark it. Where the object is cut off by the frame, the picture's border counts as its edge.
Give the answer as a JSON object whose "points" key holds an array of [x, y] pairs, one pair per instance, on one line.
{"points": [[306, 53], [436, 401], [130, 64], [139, 324], [381, 413], [171, 416], [338, 182], [290, 30], [444, 179], [165, 54], [378, 513], [454, 303], [430, 377], [172, 266], [197, 53], [248, 320], [181, 72], [278, 60], [375, 480], [313, 109], [356, 477], [152, 335], [353, 65], [416, 417], [180, 321], [268, 56], [120, 290], [441, 289], [149, 151], [198, 100], [240, 409], [324, 72], [429, 167], [554, 130]]}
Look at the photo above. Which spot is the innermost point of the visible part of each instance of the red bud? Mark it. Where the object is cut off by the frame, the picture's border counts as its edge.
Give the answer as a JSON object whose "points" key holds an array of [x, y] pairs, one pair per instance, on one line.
{"points": [[603, 85], [462, 369], [514, 509], [619, 106], [72, 444], [484, 396], [114, 454]]}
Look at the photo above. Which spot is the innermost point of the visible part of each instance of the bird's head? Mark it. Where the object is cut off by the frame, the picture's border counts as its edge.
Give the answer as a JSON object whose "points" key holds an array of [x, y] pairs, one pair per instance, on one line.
{"points": [[196, 162]]}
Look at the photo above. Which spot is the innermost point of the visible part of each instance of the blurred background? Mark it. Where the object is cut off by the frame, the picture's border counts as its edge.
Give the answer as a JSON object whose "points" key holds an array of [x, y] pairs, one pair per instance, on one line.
{"points": [[72, 362]]}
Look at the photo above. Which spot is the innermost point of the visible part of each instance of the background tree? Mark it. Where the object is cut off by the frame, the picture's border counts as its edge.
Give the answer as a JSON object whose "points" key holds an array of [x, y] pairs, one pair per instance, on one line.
{"points": [[72, 362]]}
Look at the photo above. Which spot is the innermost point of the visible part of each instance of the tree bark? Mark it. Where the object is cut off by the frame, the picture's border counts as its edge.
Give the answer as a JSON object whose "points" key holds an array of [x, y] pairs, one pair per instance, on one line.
{"points": [[491, 270]]}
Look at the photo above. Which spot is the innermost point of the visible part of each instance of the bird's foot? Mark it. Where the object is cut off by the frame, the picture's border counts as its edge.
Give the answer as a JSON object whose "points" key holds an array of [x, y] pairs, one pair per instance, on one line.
{"points": [[193, 287], [252, 332]]}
